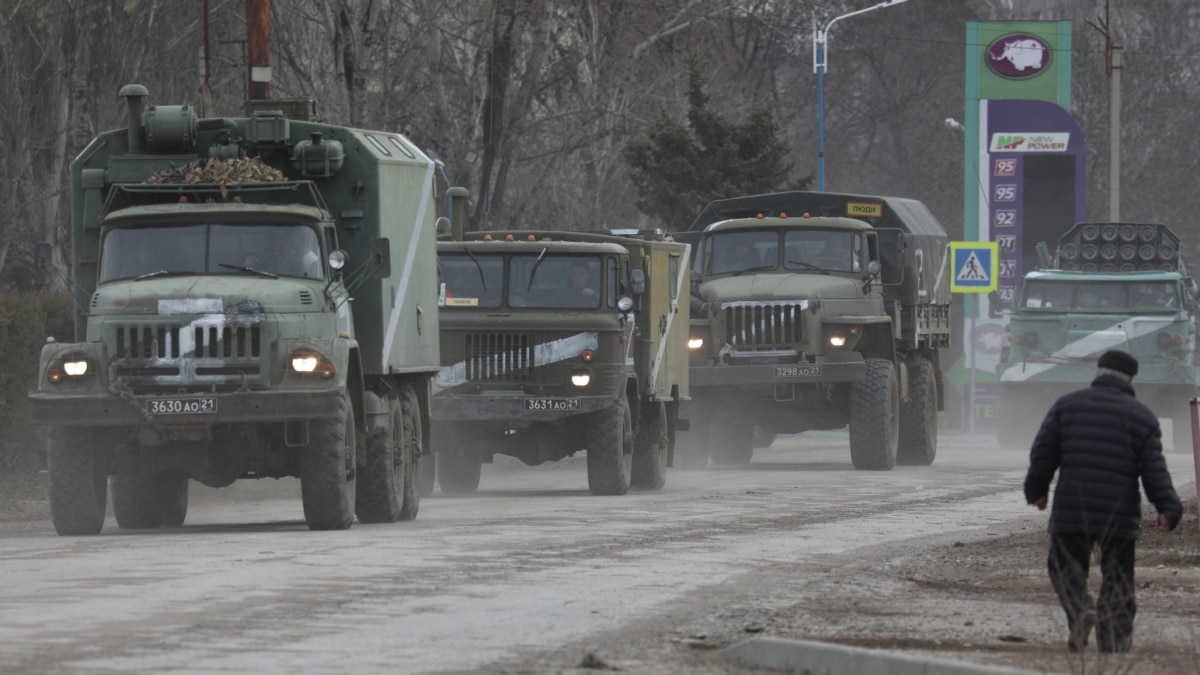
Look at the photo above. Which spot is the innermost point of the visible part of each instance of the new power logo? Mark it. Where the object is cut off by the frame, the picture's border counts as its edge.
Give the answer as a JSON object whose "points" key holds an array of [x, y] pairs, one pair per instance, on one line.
{"points": [[1030, 142]]}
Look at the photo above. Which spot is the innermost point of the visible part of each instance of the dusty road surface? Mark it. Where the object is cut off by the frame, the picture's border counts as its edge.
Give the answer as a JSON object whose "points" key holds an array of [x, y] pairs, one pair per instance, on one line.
{"points": [[534, 575]]}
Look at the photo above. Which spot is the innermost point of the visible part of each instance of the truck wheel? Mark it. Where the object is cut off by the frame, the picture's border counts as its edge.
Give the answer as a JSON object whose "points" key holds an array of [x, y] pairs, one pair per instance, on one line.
{"points": [[458, 470], [650, 449], [144, 501], [387, 489], [326, 470], [78, 475], [918, 417], [763, 439], [609, 443], [413, 448], [732, 440], [874, 417]]}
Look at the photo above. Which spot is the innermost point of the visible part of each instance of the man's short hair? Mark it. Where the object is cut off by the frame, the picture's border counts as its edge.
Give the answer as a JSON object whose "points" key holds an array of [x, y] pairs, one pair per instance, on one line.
{"points": [[1115, 359]]}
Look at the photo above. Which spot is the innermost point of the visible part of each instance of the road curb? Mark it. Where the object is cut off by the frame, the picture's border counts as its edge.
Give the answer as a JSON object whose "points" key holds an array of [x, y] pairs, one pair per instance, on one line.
{"points": [[820, 658]]}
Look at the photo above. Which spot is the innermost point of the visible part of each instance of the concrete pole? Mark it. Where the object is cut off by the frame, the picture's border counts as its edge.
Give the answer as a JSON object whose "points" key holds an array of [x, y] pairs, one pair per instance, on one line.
{"points": [[1114, 137]]}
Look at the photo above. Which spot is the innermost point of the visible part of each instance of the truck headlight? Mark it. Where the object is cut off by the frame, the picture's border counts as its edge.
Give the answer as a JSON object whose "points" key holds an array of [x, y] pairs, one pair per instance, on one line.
{"points": [[308, 362], [837, 340], [581, 378], [75, 368], [695, 343]]}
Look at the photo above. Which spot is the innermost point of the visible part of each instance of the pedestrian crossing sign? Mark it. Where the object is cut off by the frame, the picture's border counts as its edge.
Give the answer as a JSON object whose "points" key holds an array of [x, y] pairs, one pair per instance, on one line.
{"points": [[975, 265]]}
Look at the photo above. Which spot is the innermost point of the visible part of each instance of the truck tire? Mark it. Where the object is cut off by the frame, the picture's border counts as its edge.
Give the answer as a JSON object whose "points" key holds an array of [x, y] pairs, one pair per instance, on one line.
{"points": [[326, 470], [78, 474], [763, 439], [732, 441], [874, 417], [650, 449], [381, 482], [145, 501], [413, 449], [609, 443], [918, 417], [458, 470]]}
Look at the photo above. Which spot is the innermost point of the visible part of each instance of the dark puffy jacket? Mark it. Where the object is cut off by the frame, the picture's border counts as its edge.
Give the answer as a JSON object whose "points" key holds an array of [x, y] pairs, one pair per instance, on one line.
{"points": [[1101, 440]]}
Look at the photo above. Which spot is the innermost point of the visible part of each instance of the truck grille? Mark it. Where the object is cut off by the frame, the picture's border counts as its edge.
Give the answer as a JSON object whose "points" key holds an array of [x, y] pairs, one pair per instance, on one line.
{"points": [[163, 342], [498, 357], [762, 325]]}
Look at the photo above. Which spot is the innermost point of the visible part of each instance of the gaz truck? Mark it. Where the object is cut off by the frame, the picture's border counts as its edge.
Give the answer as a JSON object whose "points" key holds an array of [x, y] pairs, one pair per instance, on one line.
{"points": [[256, 298], [1107, 286], [816, 311], [555, 343]]}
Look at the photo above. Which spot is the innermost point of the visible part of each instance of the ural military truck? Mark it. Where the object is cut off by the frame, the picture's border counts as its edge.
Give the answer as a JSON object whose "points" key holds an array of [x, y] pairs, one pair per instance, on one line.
{"points": [[557, 342], [214, 262], [1108, 286], [816, 310]]}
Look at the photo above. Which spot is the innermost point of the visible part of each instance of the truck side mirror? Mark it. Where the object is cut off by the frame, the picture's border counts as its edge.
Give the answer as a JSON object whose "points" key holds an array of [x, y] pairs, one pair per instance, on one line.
{"points": [[43, 259], [381, 258], [637, 280]]}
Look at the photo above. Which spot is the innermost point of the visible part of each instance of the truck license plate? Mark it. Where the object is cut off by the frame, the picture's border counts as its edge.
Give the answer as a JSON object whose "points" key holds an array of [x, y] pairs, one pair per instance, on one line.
{"points": [[797, 371], [552, 404], [181, 406]]}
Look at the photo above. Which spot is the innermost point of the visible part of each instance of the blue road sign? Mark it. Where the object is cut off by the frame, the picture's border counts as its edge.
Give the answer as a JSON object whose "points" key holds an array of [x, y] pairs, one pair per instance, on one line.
{"points": [[975, 266]]}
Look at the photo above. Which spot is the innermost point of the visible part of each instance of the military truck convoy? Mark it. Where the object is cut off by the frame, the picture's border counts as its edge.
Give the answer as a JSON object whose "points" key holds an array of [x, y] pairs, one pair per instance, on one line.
{"points": [[815, 310], [557, 342], [1107, 286], [214, 261]]}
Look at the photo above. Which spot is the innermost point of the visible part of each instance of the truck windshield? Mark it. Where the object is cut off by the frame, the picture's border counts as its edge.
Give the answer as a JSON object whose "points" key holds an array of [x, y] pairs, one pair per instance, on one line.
{"points": [[555, 281], [744, 250], [279, 249], [1097, 296], [472, 280]]}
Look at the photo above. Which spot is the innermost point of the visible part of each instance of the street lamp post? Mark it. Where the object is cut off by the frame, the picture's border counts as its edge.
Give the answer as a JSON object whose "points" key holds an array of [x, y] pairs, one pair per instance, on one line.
{"points": [[820, 65]]}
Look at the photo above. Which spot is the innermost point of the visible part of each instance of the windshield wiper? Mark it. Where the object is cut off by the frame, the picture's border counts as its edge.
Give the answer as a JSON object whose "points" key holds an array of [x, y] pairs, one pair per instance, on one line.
{"points": [[533, 270], [478, 267], [251, 270], [757, 268], [162, 273], [822, 270]]}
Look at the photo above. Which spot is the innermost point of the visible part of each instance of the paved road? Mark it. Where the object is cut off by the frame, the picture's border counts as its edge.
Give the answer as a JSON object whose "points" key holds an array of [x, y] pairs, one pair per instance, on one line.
{"points": [[528, 575]]}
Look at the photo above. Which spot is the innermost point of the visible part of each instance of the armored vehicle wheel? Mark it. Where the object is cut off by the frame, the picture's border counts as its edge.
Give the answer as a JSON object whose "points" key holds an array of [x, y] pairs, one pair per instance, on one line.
{"points": [[609, 443], [144, 501], [412, 450], [78, 475], [732, 441], [327, 470], [650, 449], [918, 417], [874, 417]]}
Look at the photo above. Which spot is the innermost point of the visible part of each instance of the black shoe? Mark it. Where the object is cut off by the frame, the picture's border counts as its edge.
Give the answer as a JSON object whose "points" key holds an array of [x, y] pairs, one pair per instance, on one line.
{"points": [[1082, 629]]}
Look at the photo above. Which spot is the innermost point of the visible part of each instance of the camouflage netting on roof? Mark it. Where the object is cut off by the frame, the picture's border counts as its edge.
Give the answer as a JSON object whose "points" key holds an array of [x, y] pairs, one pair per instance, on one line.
{"points": [[225, 172]]}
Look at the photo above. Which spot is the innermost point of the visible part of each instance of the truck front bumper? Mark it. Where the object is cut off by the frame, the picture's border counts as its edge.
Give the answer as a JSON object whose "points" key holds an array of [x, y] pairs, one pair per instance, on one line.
{"points": [[777, 373], [65, 409]]}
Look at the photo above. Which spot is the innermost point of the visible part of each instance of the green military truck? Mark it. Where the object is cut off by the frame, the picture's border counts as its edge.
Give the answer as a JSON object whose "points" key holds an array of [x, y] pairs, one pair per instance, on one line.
{"points": [[213, 264], [1108, 286], [816, 310], [557, 342]]}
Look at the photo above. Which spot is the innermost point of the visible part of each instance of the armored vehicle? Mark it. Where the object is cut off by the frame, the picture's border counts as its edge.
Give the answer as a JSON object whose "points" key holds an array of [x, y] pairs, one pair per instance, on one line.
{"points": [[557, 342], [816, 311], [214, 261], [1108, 286]]}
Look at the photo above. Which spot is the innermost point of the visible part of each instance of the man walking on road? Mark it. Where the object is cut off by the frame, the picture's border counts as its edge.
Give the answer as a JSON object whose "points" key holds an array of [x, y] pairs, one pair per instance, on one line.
{"points": [[1101, 441]]}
